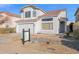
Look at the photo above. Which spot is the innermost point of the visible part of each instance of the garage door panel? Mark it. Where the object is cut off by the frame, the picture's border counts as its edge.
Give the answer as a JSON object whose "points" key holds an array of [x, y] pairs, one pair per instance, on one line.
{"points": [[25, 27]]}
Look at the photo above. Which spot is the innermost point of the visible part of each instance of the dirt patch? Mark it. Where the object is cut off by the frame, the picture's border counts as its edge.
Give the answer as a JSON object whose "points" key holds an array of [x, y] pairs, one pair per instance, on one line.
{"points": [[14, 45]]}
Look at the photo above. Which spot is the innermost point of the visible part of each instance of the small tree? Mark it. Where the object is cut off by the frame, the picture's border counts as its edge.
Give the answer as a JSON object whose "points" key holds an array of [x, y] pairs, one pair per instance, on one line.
{"points": [[7, 29], [71, 27]]}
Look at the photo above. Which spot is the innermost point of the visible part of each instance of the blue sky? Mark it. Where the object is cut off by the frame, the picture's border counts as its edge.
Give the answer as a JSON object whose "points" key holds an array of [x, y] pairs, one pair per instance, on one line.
{"points": [[15, 8]]}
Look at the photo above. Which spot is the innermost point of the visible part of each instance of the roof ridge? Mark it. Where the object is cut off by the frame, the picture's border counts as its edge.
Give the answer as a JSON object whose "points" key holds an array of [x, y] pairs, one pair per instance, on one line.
{"points": [[33, 6], [53, 12], [57, 10]]}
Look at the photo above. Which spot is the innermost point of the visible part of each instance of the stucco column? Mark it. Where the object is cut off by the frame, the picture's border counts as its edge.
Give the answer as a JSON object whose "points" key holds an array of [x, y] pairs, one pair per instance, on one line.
{"points": [[31, 14], [23, 15]]}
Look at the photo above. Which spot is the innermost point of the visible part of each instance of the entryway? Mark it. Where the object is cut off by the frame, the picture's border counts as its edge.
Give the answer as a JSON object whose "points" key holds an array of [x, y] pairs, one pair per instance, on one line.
{"points": [[62, 27]]}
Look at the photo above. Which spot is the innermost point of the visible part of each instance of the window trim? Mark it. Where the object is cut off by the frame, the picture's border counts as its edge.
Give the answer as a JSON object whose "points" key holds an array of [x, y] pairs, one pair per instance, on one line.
{"points": [[28, 14], [47, 20], [50, 24], [34, 13]]}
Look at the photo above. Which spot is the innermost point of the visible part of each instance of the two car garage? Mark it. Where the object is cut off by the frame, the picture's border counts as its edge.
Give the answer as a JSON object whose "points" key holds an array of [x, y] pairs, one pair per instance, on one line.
{"points": [[20, 27]]}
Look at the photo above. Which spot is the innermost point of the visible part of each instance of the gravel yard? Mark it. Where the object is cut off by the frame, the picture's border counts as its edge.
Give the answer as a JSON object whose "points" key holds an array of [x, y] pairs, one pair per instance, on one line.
{"points": [[12, 44]]}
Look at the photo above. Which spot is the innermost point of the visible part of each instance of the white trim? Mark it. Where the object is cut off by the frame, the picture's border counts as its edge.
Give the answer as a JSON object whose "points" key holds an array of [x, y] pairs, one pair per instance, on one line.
{"points": [[47, 21]]}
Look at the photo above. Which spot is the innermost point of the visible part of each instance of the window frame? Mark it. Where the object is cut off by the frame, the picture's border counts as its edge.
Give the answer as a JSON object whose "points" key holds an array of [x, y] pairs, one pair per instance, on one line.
{"points": [[28, 14], [50, 26], [34, 13], [46, 19]]}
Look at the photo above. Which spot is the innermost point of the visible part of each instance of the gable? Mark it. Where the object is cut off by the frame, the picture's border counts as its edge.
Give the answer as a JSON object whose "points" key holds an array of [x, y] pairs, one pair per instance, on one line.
{"points": [[63, 13], [31, 7]]}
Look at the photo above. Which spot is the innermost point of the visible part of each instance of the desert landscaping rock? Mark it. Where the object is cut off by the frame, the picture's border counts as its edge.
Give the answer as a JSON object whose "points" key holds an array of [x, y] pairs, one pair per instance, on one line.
{"points": [[14, 45]]}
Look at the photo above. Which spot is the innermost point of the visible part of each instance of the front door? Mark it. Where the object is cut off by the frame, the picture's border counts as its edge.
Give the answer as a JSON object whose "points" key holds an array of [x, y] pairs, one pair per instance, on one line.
{"points": [[62, 27]]}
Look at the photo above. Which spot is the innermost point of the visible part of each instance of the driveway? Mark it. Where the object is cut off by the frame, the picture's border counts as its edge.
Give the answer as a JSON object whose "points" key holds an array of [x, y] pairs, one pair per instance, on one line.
{"points": [[12, 44]]}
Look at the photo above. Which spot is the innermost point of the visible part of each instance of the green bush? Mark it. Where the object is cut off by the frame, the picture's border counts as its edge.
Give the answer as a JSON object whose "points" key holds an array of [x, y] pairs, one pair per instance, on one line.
{"points": [[7, 30], [10, 30], [76, 34]]}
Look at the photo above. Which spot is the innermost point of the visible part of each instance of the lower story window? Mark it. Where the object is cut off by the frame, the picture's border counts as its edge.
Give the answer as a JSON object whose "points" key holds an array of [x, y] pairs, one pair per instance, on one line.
{"points": [[47, 26]]}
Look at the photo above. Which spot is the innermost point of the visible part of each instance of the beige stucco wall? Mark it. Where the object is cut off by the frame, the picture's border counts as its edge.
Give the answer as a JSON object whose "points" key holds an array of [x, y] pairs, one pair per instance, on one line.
{"points": [[56, 24], [55, 30], [76, 26], [37, 26]]}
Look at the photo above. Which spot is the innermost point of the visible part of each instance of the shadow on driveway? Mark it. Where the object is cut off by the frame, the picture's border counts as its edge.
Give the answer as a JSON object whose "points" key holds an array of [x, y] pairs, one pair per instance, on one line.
{"points": [[71, 44]]}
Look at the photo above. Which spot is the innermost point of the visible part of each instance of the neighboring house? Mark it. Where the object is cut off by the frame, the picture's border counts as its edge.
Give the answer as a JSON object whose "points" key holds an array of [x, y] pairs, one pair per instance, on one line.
{"points": [[40, 21], [77, 15], [8, 19], [76, 24]]}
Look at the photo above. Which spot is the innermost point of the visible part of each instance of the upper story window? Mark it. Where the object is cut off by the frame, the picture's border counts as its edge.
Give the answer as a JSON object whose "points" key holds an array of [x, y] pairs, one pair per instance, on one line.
{"points": [[34, 13], [28, 14], [48, 19]]}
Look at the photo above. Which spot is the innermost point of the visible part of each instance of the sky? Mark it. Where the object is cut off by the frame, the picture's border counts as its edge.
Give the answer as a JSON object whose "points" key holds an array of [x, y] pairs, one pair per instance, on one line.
{"points": [[15, 8]]}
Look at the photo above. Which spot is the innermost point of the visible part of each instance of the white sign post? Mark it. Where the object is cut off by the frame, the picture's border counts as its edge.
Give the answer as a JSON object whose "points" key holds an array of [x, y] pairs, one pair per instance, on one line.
{"points": [[26, 36]]}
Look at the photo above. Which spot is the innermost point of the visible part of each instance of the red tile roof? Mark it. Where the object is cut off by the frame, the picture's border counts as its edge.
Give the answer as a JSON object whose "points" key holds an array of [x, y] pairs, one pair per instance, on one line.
{"points": [[52, 13]]}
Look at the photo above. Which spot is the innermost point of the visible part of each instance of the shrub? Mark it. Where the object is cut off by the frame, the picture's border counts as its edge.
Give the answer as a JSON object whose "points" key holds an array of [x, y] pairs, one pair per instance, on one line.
{"points": [[7, 30], [76, 34], [76, 26], [12, 30]]}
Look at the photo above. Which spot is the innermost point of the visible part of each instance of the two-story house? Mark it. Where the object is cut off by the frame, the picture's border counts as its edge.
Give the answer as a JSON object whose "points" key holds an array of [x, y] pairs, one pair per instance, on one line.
{"points": [[40, 21]]}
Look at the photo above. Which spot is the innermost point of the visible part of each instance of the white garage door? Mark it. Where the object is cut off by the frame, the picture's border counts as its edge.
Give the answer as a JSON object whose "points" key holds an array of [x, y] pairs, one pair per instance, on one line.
{"points": [[20, 27]]}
